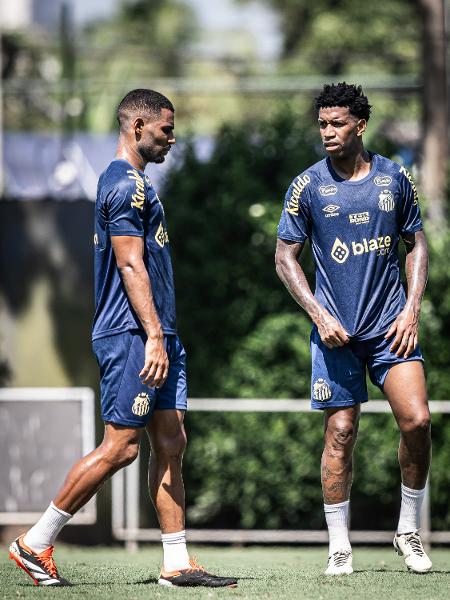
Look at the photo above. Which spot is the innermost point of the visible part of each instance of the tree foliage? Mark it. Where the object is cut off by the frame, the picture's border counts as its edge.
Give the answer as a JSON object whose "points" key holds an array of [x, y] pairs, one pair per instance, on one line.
{"points": [[345, 36]]}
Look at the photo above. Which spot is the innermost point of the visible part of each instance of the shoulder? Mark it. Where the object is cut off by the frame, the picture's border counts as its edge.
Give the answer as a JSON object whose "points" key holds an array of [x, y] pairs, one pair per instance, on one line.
{"points": [[309, 178], [120, 178], [387, 168]]}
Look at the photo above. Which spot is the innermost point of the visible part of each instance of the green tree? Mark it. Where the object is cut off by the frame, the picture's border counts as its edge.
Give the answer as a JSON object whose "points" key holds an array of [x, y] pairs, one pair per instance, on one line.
{"points": [[143, 40], [345, 36]]}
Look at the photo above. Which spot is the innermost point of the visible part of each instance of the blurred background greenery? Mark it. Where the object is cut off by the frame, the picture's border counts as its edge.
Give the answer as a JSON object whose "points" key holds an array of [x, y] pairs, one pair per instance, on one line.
{"points": [[242, 75]]}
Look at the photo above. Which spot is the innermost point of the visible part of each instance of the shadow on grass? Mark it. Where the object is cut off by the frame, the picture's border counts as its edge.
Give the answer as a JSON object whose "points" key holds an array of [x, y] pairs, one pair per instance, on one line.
{"points": [[403, 571]]}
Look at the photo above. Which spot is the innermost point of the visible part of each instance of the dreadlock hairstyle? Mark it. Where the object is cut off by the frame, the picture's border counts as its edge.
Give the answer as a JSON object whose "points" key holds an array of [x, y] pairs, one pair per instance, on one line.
{"points": [[344, 94]]}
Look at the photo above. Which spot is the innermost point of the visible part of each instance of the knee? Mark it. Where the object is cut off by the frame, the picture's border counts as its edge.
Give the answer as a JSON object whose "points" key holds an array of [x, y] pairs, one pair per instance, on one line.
{"points": [[121, 455], [341, 438], [419, 423], [170, 447]]}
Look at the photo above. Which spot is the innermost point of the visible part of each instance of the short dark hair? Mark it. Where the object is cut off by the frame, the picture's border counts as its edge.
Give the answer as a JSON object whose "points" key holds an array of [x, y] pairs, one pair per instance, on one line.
{"points": [[344, 94], [142, 102]]}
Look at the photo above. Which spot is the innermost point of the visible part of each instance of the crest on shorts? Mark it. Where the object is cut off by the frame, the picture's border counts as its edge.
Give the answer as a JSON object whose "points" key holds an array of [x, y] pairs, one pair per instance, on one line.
{"points": [[141, 405], [321, 390]]}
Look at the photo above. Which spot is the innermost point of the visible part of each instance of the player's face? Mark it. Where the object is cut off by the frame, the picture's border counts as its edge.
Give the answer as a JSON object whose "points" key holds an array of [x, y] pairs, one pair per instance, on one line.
{"points": [[155, 137], [340, 131]]}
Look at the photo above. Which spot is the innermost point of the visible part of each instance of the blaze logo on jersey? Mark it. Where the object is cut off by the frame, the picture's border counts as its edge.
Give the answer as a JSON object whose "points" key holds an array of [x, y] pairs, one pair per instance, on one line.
{"points": [[381, 245], [139, 195], [339, 251], [321, 390], [386, 201], [161, 235], [411, 181], [141, 405], [328, 190], [381, 180], [299, 184]]}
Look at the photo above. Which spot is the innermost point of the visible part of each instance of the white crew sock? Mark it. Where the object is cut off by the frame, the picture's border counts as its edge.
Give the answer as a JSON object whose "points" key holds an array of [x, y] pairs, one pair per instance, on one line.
{"points": [[410, 510], [336, 516], [43, 534], [176, 556]]}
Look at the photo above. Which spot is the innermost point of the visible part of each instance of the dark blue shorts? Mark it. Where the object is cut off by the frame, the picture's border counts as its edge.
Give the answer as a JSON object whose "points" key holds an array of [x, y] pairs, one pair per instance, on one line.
{"points": [[125, 400], [339, 375]]}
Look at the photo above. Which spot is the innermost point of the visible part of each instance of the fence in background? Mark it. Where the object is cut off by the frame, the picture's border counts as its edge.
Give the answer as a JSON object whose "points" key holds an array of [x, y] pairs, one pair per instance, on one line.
{"points": [[126, 485]]}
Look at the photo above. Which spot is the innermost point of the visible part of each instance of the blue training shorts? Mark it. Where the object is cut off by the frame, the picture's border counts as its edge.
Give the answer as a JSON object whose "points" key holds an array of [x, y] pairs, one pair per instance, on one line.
{"points": [[339, 375], [125, 400]]}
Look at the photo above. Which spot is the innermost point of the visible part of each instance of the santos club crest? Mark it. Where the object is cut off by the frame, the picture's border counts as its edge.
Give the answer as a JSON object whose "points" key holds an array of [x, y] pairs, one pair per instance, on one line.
{"points": [[141, 405], [386, 201], [321, 390]]}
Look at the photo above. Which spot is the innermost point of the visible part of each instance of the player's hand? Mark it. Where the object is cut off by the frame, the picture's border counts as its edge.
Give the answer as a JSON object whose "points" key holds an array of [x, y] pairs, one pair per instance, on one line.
{"points": [[331, 332], [156, 366], [405, 329]]}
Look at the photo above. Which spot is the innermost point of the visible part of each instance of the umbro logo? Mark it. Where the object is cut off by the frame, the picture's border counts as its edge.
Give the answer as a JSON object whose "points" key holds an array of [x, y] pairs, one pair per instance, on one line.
{"points": [[331, 210]]}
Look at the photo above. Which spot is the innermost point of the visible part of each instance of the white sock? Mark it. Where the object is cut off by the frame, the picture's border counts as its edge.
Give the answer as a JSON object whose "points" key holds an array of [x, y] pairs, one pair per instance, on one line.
{"points": [[176, 556], [336, 516], [410, 510], [43, 534]]}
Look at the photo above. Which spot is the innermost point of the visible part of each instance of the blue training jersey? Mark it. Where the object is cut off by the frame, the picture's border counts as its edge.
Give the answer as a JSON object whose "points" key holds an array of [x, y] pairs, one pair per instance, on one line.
{"points": [[127, 204], [354, 229]]}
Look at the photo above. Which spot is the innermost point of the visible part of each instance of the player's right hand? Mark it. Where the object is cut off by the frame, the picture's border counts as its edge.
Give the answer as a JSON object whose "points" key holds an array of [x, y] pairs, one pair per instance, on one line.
{"points": [[156, 365], [331, 332]]}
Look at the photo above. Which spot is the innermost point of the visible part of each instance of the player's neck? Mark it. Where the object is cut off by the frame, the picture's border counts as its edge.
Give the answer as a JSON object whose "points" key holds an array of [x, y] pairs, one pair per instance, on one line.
{"points": [[125, 152], [353, 168]]}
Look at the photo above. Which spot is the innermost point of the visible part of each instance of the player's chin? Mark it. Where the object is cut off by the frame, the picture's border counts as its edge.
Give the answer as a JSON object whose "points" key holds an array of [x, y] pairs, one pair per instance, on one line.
{"points": [[333, 150]]}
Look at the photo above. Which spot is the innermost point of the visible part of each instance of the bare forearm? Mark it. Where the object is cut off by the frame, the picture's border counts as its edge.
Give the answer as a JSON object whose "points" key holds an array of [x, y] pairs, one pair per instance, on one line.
{"points": [[138, 288], [293, 277], [291, 274], [416, 267]]}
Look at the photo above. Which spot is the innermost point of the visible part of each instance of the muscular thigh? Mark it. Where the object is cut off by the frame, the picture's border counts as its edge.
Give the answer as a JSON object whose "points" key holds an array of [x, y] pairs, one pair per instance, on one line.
{"points": [[406, 391]]}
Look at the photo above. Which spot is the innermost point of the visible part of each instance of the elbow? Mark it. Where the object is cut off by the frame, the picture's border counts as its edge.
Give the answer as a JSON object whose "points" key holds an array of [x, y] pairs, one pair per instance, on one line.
{"points": [[279, 264], [129, 265]]}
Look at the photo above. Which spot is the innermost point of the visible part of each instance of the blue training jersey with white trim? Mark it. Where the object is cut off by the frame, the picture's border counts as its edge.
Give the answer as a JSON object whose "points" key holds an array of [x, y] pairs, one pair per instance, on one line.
{"points": [[126, 205], [354, 228]]}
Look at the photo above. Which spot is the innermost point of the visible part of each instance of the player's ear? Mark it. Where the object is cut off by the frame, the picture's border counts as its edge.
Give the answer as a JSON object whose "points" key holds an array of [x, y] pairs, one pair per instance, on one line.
{"points": [[361, 127], [138, 125]]}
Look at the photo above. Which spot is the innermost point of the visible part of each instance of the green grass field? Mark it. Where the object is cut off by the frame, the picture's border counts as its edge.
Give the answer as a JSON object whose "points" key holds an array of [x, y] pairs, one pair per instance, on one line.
{"points": [[263, 572]]}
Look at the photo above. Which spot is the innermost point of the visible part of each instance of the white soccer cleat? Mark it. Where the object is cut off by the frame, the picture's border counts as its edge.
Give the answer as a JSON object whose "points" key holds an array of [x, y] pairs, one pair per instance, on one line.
{"points": [[340, 563], [409, 545]]}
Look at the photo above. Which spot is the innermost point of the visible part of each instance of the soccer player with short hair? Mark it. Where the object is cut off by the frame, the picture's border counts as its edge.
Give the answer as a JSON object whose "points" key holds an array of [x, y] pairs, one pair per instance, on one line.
{"points": [[354, 207], [142, 361]]}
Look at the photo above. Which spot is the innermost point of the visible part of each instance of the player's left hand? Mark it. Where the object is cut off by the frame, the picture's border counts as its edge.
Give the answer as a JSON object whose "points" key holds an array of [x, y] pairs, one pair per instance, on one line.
{"points": [[405, 328]]}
